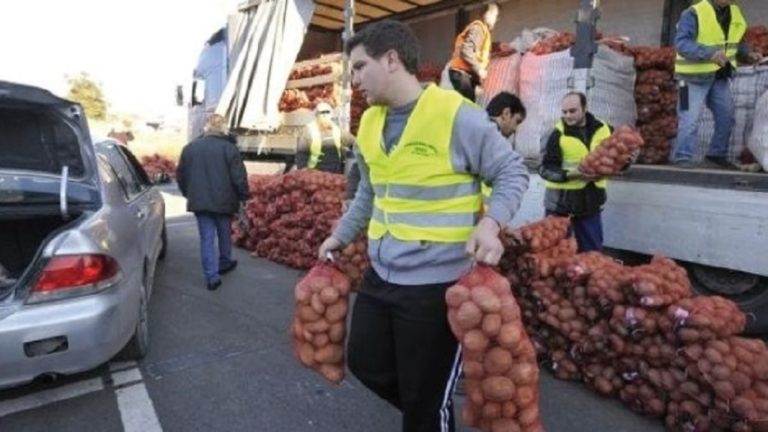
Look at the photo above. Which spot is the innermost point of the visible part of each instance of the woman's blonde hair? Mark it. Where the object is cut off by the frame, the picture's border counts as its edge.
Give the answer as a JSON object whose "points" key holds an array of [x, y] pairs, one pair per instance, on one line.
{"points": [[216, 124]]}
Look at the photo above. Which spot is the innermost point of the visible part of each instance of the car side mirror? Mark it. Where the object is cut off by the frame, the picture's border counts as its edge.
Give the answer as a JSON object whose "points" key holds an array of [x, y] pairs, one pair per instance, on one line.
{"points": [[179, 95], [198, 92]]}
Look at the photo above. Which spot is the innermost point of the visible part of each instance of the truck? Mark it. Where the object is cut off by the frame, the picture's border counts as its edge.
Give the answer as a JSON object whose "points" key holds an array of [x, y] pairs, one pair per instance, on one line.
{"points": [[714, 222], [265, 101]]}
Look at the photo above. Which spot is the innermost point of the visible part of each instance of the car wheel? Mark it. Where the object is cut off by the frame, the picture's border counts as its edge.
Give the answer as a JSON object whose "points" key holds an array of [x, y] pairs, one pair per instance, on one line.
{"points": [[163, 243], [138, 346]]}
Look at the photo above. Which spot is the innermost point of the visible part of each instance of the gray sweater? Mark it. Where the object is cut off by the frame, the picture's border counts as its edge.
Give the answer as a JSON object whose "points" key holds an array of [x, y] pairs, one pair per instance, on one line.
{"points": [[478, 148]]}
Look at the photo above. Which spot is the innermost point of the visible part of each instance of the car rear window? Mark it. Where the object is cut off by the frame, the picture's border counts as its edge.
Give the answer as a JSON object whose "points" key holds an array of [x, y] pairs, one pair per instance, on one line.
{"points": [[38, 141]]}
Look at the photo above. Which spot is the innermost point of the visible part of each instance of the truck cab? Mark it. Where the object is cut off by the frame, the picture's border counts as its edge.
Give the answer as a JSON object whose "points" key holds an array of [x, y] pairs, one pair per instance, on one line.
{"points": [[208, 80]]}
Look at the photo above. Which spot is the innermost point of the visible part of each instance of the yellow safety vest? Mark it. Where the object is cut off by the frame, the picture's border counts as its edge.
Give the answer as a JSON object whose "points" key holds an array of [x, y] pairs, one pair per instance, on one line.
{"points": [[574, 151], [418, 196], [483, 56], [711, 34], [316, 145]]}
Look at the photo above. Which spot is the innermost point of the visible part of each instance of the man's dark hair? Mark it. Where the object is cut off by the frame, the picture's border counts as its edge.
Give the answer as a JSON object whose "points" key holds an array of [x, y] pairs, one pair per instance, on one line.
{"points": [[505, 100], [382, 36], [582, 97]]}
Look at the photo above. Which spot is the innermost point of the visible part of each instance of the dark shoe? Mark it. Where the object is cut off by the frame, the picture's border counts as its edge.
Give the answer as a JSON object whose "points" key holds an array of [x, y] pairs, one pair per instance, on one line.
{"points": [[228, 268], [685, 164], [721, 162], [213, 286]]}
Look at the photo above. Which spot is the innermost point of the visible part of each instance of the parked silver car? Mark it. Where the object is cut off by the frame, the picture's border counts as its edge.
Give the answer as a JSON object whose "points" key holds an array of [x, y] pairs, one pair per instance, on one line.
{"points": [[81, 231]]}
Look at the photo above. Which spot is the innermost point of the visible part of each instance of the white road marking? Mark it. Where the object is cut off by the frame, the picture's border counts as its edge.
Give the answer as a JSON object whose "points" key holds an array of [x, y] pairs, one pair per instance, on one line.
{"points": [[126, 376], [136, 409], [46, 397]]}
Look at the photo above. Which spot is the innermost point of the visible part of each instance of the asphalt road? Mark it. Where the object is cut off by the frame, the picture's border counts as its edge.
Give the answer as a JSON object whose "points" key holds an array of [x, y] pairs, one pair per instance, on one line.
{"points": [[222, 361]]}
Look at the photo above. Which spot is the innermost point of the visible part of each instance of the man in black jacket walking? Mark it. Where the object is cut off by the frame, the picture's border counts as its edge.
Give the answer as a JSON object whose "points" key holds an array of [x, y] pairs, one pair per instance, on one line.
{"points": [[212, 176], [569, 192]]}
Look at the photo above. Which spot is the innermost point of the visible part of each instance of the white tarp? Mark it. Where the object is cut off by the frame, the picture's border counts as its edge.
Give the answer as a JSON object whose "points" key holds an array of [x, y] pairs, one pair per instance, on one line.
{"points": [[758, 139], [503, 75], [544, 81], [265, 46]]}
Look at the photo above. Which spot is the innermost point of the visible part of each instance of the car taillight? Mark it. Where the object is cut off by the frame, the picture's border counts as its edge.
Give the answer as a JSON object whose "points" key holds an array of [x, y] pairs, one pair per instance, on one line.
{"points": [[69, 275]]}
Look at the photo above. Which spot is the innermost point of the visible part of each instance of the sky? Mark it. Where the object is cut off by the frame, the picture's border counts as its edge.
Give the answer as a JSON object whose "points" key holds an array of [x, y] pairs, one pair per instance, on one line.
{"points": [[138, 50]]}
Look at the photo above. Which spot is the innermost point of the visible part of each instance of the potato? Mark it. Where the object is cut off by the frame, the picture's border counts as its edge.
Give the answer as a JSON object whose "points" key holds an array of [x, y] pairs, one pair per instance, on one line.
{"points": [[456, 295], [329, 295], [307, 314], [319, 326], [498, 388], [529, 416], [321, 340], [491, 410], [307, 354], [510, 335], [473, 369], [341, 283], [524, 373], [475, 340], [301, 294], [510, 311], [525, 396], [504, 425], [317, 303], [508, 409], [497, 361], [486, 299], [724, 390], [744, 408], [469, 316], [337, 332], [317, 283], [740, 381], [336, 312], [330, 354], [713, 355], [332, 373], [492, 325]]}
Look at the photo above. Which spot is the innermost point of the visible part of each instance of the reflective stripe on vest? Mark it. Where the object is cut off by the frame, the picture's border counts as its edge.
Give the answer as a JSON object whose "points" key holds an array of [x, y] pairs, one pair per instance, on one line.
{"points": [[316, 143], [418, 196], [483, 56], [710, 34], [574, 151]]}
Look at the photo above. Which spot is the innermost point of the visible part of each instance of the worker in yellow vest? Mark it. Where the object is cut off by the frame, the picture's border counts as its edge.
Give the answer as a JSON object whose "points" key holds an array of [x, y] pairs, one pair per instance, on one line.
{"points": [[569, 192], [423, 154], [323, 145], [709, 40], [508, 112], [472, 53], [505, 109]]}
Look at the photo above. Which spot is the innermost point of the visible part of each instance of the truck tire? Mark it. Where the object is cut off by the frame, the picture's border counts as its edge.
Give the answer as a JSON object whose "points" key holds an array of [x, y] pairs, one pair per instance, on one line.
{"points": [[748, 291]]}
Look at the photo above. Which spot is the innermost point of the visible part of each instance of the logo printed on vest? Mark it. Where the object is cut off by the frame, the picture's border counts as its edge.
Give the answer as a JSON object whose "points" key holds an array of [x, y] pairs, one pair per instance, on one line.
{"points": [[421, 149]]}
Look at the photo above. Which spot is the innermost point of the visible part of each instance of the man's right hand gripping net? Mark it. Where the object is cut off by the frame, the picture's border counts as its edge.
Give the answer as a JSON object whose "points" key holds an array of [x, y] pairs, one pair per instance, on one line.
{"points": [[500, 369]]}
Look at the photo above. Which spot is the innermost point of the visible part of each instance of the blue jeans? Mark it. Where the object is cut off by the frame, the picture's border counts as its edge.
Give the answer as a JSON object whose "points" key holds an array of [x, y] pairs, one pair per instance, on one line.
{"points": [[716, 94], [211, 226], [588, 230]]}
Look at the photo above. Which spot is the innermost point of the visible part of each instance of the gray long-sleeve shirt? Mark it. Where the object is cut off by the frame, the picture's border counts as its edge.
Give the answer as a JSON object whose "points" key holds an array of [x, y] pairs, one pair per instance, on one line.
{"points": [[477, 148]]}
